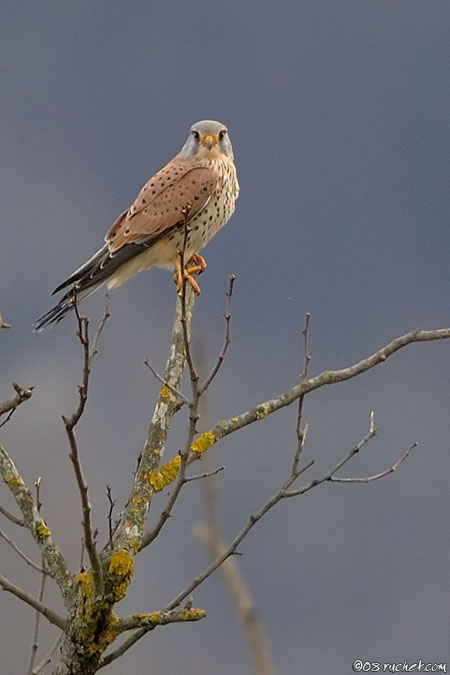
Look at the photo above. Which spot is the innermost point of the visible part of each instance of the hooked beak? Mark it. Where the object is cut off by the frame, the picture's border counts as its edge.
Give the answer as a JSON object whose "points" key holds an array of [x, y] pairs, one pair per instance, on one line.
{"points": [[209, 140]]}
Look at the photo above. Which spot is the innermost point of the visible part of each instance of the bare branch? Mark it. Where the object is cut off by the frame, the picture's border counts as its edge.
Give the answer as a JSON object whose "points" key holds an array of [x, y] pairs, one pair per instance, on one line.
{"points": [[70, 424], [232, 548], [327, 377], [11, 516], [37, 618], [151, 621], [20, 553], [33, 521], [10, 405], [377, 476], [99, 331], [146, 623], [49, 614], [48, 658], [227, 339], [112, 504], [207, 474], [3, 323], [179, 394]]}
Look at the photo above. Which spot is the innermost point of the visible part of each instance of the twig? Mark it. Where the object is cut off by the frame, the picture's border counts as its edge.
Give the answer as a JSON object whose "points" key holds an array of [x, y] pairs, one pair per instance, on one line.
{"points": [[20, 553], [56, 565], [377, 476], [300, 432], [70, 424], [227, 339], [232, 548], [262, 410], [37, 618], [112, 504], [99, 331], [10, 405], [3, 323], [146, 623], [179, 394], [48, 658], [49, 614], [151, 621], [207, 474], [11, 516]]}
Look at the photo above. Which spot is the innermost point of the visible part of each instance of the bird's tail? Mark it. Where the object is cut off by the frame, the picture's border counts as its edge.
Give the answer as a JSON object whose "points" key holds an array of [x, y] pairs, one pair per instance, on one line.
{"points": [[64, 306]]}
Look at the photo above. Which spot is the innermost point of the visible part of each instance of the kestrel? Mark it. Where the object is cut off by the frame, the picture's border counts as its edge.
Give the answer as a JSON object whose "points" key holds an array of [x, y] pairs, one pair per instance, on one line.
{"points": [[198, 185]]}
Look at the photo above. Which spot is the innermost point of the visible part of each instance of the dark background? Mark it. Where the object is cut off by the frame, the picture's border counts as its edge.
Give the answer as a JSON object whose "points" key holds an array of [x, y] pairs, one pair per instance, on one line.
{"points": [[338, 112]]}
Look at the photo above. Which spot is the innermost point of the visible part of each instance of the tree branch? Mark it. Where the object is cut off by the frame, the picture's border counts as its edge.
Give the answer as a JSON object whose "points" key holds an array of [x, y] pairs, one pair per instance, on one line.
{"points": [[10, 405], [21, 554], [327, 377], [132, 524], [146, 623], [33, 521], [70, 424], [49, 614]]}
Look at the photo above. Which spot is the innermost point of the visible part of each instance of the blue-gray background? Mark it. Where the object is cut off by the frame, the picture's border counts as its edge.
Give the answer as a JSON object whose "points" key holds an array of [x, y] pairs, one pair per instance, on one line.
{"points": [[338, 111]]}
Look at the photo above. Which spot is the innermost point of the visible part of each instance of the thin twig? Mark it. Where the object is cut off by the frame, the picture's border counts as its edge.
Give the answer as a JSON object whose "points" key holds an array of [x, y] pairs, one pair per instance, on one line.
{"points": [[176, 392], [112, 504], [301, 432], [227, 339], [70, 423], [377, 476], [37, 618], [207, 474], [48, 658], [20, 553], [99, 330], [230, 550], [3, 323], [11, 516], [10, 405], [49, 614]]}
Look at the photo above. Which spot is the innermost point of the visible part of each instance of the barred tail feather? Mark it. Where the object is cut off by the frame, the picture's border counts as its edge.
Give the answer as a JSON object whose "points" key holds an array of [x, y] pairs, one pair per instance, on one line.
{"points": [[64, 306]]}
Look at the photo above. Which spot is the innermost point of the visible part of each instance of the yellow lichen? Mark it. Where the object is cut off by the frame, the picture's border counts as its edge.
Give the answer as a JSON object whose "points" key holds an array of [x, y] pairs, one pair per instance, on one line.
{"points": [[121, 569], [43, 530], [261, 412], [203, 442], [166, 474], [165, 392], [14, 480], [85, 581]]}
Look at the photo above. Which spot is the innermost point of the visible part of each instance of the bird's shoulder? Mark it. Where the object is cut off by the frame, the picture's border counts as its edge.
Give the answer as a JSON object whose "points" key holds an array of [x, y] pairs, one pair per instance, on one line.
{"points": [[160, 204]]}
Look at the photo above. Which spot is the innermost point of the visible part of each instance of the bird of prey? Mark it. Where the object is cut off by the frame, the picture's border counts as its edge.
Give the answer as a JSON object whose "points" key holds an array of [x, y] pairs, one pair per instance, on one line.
{"points": [[198, 185]]}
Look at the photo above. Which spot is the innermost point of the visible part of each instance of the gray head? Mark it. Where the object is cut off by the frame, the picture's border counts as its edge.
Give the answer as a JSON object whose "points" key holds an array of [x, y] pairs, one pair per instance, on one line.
{"points": [[208, 140]]}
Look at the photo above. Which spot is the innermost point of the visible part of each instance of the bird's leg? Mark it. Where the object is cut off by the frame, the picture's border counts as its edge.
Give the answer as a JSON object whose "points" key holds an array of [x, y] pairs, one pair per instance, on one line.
{"points": [[199, 260], [187, 274]]}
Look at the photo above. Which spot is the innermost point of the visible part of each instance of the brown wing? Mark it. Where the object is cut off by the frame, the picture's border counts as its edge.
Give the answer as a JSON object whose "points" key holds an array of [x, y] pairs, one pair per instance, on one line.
{"points": [[159, 205]]}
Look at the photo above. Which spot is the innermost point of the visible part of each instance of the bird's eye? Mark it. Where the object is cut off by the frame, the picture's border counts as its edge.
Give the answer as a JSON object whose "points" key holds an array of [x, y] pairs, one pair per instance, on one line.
{"points": [[222, 134], [196, 135]]}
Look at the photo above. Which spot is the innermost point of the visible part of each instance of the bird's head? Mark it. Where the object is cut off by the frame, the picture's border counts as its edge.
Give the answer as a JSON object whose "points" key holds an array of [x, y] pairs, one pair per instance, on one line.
{"points": [[208, 140]]}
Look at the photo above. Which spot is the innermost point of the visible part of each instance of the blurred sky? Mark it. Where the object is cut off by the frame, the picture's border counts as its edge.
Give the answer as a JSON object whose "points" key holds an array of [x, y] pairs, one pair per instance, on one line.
{"points": [[339, 116]]}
